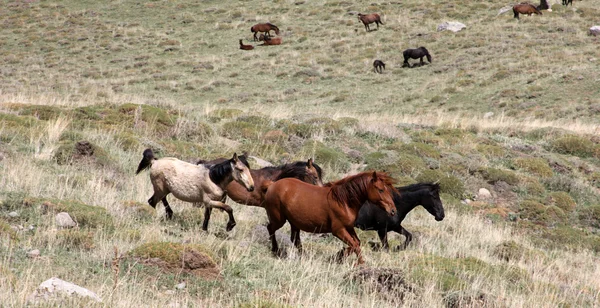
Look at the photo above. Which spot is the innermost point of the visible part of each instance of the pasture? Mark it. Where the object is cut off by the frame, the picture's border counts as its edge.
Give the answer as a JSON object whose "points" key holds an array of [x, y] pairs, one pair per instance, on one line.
{"points": [[169, 75]]}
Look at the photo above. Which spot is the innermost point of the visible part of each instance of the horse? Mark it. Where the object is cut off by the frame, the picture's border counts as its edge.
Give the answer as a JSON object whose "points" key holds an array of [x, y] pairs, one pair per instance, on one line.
{"points": [[271, 41], [379, 66], [370, 217], [332, 208], [245, 47], [544, 5], [417, 53], [194, 183], [265, 28], [566, 2], [369, 19], [308, 172], [525, 8]]}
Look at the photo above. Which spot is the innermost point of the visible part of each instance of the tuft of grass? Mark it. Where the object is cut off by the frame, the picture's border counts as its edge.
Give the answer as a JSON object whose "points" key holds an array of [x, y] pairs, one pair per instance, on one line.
{"points": [[562, 200], [575, 145], [493, 175], [86, 216], [535, 165], [76, 239]]}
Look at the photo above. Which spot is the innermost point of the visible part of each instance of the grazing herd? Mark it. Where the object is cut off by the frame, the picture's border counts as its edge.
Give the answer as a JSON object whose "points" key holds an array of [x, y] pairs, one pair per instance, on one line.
{"points": [[293, 193]]}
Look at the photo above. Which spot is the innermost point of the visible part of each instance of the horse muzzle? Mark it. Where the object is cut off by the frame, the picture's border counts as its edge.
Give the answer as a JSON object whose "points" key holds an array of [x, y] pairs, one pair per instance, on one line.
{"points": [[251, 188], [439, 218], [392, 212]]}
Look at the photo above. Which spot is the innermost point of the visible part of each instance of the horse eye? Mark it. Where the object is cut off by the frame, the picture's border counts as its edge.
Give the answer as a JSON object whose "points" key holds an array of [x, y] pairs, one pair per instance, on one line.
{"points": [[381, 190]]}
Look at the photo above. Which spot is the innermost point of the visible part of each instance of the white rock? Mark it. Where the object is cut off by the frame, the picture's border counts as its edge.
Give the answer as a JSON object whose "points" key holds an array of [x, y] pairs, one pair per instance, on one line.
{"points": [[453, 26], [55, 286], [13, 214], [488, 115], [63, 219], [261, 162], [180, 286], [33, 254], [595, 30], [484, 194], [505, 9]]}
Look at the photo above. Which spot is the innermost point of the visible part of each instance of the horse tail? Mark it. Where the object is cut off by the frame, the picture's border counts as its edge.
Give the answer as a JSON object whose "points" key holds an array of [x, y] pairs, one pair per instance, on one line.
{"points": [[252, 29], [379, 19], [146, 161]]}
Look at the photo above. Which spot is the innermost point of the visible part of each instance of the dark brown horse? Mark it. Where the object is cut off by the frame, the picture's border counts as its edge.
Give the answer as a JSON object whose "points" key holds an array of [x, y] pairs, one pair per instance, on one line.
{"points": [[379, 66], [307, 171], [525, 8], [566, 2], [329, 209], [265, 28], [369, 19], [245, 47], [417, 53]]}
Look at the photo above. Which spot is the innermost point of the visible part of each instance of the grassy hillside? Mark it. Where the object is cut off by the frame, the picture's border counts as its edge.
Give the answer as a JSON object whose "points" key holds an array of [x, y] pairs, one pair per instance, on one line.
{"points": [[125, 76]]}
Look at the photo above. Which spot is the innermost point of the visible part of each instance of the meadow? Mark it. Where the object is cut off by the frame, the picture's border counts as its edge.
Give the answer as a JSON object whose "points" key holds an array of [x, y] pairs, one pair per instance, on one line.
{"points": [[125, 76]]}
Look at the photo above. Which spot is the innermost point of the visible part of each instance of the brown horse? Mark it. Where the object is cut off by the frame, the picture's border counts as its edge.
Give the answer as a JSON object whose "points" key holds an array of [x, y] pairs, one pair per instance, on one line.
{"points": [[265, 28], [330, 209], [525, 8], [369, 19], [308, 172], [245, 47], [271, 41]]}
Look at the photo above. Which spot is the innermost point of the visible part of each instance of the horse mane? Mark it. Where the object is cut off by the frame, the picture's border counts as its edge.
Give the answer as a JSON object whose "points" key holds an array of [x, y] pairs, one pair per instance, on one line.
{"points": [[273, 26], [419, 186], [219, 172], [350, 189], [146, 162], [243, 158], [296, 170]]}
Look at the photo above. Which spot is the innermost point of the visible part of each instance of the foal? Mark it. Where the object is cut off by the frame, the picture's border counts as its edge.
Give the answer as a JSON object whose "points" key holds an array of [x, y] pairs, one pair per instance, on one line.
{"points": [[194, 183], [379, 66], [245, 47]]}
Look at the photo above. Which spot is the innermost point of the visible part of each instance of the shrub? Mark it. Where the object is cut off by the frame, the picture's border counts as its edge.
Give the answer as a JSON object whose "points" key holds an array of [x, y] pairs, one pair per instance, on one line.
{"points": [[448, 183], [573, 145], [562, 200], [513, 251], [540, 214], [493, 175], [537, 166], [590, 215]]}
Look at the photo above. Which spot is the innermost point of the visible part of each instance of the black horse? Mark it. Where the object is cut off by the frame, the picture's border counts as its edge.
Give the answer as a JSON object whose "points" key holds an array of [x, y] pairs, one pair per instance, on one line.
{"points": [[417, 53], [370, 217], [566, 2], [544, 5], [379, 66]]}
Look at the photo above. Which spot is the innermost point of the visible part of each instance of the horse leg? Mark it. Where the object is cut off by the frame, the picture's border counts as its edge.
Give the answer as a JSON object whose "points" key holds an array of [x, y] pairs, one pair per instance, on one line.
{"points": [[295, 238], [224, 207], [422, 63], [406, 234], [207, 212], [348, 236], [274, 225], [168, 209], [383, 237]]}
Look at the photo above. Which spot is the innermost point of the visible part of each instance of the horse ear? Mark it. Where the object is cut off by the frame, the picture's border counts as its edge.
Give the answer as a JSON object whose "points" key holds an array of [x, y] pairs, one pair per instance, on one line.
{"points": [[374, 176], [235, 158], [309, 164]]}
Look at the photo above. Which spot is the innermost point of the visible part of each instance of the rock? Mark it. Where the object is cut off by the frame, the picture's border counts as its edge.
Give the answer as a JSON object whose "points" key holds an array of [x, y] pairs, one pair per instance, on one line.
{"points": [[483, 194], [453, 26], [595, 30], [13, 214], [180, 286], [505, 9], [488, 115], [55, 286], [33, 254], [64, 220], [261, 162]]}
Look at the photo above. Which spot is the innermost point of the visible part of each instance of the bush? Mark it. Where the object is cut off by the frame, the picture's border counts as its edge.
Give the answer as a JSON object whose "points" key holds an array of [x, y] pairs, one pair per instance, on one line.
{"points": [[536, 166], [448, 183]]}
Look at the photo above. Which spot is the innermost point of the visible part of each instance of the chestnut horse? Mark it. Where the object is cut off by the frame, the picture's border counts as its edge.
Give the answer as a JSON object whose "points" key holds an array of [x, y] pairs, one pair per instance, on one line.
{"points": [[330, 209], [245, 47], [369, 19], [267, 41], [308, 172], [265, 28], [194, 183], [525, 8]]}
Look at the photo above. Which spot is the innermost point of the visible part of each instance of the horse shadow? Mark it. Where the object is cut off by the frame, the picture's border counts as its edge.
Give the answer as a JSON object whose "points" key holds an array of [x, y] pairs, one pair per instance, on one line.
{"points": [[414, 65]]}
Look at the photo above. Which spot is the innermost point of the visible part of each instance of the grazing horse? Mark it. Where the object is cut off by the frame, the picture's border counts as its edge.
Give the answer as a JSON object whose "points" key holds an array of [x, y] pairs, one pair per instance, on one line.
{"points": [[245, 47], [379, 66], [566, 2], [544, 5], [329, 209], [369, 19], [417, 53], [265, 28], [308, 172], [271, 41], [194, 183], [371, 217], [525, 8]]}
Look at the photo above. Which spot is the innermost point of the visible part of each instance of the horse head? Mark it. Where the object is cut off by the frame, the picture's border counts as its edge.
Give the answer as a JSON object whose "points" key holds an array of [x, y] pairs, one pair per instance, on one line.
{"points": [[241, 172], [433, 203], [314, 171], [380, 192]]}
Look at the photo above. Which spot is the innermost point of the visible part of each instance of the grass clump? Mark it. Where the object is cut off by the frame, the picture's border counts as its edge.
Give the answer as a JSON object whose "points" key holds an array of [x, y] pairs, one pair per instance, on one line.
{"points": [[76, 239], [395, 164], [140, 211], [575, 145], [534, 165], [491, 151], [538, 213], [562, 200], [70, 152], [86, 216], [7, 231], [493, 175], [419, 149], [226, 113], [448, 183]]}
